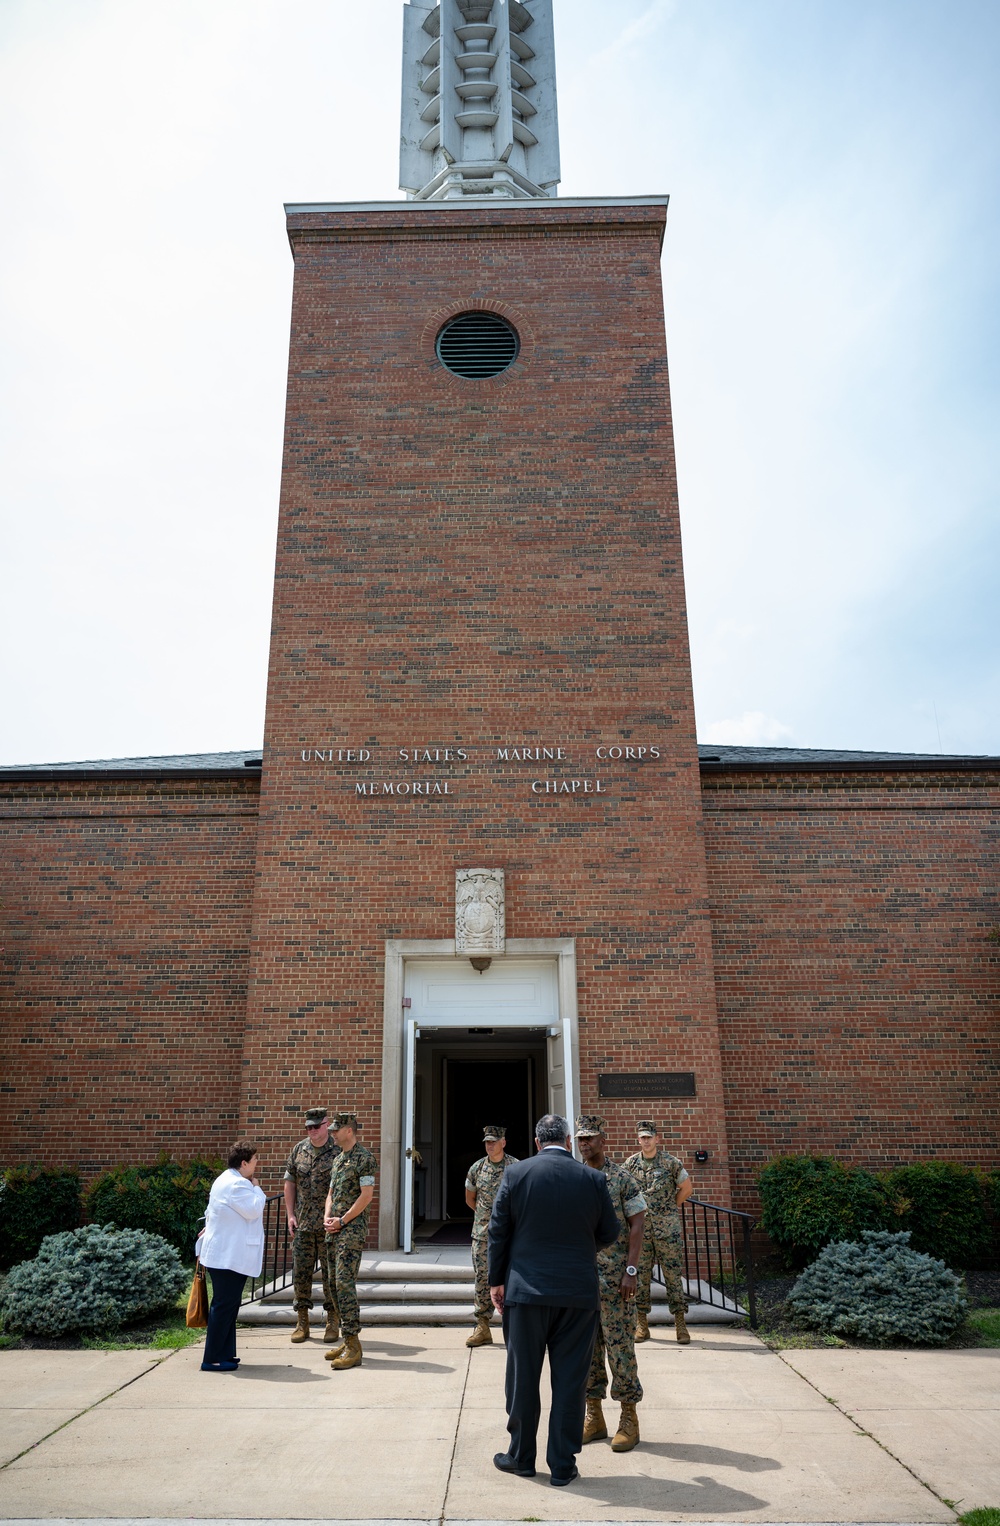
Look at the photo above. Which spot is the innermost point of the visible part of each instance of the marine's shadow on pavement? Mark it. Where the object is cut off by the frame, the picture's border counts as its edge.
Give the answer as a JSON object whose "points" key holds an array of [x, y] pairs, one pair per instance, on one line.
{"points": [[277, 1374], [718, 1457], [702, 1496]]}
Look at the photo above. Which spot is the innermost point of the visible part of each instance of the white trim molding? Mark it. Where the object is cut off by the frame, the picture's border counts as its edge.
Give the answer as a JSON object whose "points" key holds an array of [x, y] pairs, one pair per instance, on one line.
{"points": [[398, 953]]}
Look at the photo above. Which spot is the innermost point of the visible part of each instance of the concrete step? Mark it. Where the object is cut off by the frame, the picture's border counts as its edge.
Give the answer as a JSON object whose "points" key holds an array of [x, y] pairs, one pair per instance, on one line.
{"points": [[406, 1292], [435, 1287], [283, 1315]]}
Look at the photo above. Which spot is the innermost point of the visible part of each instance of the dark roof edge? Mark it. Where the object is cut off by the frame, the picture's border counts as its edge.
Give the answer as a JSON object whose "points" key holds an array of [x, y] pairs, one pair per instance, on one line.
{"points": [[941, 765], [151, 775]]}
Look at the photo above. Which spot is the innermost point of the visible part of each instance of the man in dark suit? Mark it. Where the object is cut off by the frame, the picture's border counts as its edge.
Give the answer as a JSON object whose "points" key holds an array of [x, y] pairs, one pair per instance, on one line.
{"points": [[550, 1218]]}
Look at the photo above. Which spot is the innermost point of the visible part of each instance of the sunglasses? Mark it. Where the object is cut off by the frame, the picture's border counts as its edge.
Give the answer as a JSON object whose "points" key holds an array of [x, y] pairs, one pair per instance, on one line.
{"points": [[311, 1126]]}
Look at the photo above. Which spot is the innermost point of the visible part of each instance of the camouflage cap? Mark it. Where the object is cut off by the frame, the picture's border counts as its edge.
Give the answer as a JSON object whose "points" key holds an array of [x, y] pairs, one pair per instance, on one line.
{"points": [[345, 1120], [646, 1126], [589, 1124], [316, 1114], [493, 1132]]}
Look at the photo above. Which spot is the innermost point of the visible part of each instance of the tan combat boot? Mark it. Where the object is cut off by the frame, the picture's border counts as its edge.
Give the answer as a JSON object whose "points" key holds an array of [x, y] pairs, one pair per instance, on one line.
{"points": [[332, 1331], [350, 1356], [627, 1434], [594, 1427], [335, 1351], [642, 1327], [301, 1331], [681, 1328], [482, 1335]]}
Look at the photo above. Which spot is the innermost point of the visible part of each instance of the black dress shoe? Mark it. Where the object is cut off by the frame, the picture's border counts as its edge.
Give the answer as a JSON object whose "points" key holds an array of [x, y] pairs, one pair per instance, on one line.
{"points": [[560, 1483], [506, 1464], [219, 1366]]}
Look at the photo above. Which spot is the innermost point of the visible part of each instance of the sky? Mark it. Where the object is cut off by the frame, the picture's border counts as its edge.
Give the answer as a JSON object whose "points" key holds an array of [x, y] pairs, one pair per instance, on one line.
{"points": [[831, 278]]}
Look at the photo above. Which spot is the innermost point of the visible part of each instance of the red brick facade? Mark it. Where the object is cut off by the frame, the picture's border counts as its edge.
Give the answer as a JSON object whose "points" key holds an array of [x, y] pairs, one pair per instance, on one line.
{"points": [[466, 568], [124, 942], [856, 975]]}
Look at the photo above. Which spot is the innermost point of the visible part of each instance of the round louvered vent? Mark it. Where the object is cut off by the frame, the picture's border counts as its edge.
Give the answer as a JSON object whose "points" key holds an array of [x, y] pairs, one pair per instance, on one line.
{"points": [[477, 344]]}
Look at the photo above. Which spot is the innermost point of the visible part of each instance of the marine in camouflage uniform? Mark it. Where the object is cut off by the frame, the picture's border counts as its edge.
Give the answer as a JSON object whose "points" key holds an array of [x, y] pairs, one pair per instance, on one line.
{"points": [[308, 1169], [616, 1332], [662, 1239], [483, 1179], [353, 1170]]}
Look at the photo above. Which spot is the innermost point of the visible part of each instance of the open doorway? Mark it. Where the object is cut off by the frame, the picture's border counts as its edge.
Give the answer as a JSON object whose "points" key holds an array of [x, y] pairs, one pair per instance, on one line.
{"points": [[478, 1092], [465, 1080]]}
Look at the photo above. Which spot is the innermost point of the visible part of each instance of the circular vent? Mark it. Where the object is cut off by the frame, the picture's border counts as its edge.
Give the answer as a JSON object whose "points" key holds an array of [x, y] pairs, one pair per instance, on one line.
{"points": [[477, 344]]}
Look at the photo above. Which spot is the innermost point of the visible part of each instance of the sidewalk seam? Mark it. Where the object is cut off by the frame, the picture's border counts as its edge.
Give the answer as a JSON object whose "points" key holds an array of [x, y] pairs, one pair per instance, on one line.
{"points": [[158, 1362], [454, 1444], [859, 1427]]}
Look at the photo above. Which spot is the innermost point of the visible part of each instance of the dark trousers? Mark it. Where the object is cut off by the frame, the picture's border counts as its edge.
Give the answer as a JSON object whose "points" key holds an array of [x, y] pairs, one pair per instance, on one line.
{"points": [[220, 1337], [530, 1330]]}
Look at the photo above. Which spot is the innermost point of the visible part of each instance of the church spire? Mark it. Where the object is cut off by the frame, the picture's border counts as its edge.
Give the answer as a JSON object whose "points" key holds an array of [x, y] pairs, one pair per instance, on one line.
{"points": [[479, 100]]}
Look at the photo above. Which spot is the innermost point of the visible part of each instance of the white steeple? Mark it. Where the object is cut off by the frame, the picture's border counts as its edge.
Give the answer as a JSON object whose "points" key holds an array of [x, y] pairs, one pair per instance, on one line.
{"points": [[479, 99]]}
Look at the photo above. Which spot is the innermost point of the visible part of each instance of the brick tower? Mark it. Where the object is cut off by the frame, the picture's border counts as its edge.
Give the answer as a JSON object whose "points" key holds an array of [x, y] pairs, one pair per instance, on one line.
{"points": [[479, 654]]}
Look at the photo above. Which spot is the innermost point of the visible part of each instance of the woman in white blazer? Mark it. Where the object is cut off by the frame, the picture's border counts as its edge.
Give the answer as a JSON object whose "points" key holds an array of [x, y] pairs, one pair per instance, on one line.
{"points": [[231, 1247]]}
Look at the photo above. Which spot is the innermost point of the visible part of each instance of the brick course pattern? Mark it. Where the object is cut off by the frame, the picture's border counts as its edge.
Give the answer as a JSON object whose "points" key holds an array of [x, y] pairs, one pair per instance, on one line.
{"points": [[125, 928], [857, 982]]}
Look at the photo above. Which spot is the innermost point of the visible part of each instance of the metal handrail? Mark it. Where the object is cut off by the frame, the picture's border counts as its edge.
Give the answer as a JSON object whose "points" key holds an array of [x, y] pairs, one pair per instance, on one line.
{"points": [[276, 1269], [718, 1256]]}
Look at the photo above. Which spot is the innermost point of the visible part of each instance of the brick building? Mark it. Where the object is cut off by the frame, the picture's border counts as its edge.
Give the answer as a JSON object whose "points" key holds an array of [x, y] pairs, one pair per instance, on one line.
{"points": [[479, 867]]}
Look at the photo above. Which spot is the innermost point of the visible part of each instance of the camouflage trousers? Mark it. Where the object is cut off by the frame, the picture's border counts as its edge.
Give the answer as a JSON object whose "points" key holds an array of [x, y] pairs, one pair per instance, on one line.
{"points": [[484, 1303], [308, 1247], [616, 1342], [344, 1251], [662, 1241]]}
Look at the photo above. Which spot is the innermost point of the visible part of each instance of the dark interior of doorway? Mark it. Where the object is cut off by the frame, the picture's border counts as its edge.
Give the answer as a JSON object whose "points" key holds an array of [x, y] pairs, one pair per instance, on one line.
{"points": [[481, 1092]]}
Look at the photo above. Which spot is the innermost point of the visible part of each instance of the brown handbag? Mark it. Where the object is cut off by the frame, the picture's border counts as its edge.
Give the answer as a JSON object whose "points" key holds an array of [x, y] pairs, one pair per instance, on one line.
{"points": [[197, 1309]]}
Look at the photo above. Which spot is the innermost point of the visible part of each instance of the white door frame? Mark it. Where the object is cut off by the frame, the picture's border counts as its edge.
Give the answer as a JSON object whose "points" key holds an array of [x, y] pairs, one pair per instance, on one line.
{"points": [[399, 1052]]}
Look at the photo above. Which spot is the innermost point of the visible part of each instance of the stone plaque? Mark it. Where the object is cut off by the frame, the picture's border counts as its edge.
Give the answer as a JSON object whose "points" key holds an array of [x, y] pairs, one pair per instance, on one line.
{"points": [[480, 913], [672, 1083]]}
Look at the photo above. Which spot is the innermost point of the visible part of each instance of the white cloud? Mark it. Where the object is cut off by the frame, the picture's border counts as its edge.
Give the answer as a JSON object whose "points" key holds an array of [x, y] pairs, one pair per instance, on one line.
{"points": [[752, 729]]}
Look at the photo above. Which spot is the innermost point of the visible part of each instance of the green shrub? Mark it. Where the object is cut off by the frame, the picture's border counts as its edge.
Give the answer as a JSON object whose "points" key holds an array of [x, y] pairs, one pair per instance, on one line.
{"points": [[167, 1198], [993, 1194], [879, 1290], [810, 1200], [92, 1280], [35, 1202], [942, 1205]]}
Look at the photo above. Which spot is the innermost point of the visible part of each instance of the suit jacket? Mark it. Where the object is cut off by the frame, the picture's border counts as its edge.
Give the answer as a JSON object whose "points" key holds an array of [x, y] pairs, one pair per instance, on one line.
{"points": [[550, 1218]]}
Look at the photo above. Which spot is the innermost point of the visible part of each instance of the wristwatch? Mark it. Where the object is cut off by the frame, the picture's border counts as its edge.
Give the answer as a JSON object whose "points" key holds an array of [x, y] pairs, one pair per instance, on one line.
{"points": [[631, 1271]]}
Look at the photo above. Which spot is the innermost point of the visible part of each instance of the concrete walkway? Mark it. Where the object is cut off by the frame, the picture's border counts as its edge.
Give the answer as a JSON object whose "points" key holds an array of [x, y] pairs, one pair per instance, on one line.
{"points": [[730, 1432]]}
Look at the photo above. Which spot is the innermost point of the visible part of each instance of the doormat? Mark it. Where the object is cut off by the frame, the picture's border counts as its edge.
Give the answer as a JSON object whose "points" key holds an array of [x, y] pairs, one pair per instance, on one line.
{"points": [[455, 1232]]}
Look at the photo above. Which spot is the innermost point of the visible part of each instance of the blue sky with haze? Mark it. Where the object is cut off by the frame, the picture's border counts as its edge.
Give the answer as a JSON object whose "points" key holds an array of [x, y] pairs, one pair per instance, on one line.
{"points": [[831, 276]]}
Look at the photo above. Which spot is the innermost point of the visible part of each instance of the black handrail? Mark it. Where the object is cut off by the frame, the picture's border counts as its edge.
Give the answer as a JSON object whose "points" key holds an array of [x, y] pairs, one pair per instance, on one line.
{"points": [[718, 1257], [276, 1270], [714, 1269]]}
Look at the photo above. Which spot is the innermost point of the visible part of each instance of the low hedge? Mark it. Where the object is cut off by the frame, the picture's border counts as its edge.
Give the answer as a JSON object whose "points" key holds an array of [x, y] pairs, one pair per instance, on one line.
{"points": [[810, 1201], [167, 1198], [944, 1207], [34, 1202]]}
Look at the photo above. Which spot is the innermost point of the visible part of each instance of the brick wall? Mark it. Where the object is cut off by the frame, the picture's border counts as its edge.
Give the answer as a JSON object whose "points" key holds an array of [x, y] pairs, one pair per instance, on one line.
{"points": [[124, 928], [857, 984], [470, 565]]}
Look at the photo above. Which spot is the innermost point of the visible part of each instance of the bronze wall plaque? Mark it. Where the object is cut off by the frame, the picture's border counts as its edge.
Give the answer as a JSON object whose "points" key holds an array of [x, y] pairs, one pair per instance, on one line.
{"points": [[674, 1083]]}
